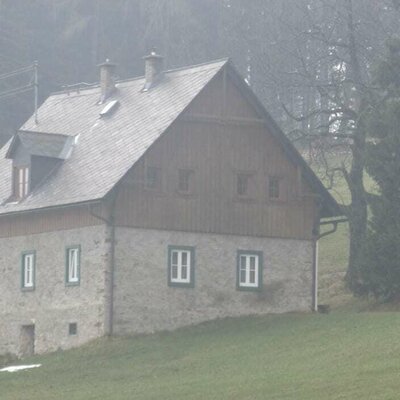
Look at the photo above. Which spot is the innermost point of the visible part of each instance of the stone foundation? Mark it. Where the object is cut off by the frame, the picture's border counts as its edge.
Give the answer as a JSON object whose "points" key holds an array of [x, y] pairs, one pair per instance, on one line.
{"points": [[143, 301], [52, 306]]}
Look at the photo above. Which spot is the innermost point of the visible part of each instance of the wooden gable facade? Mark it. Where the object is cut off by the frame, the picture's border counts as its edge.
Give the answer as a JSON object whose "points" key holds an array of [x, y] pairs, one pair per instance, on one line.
{"points": [[219, 138]]}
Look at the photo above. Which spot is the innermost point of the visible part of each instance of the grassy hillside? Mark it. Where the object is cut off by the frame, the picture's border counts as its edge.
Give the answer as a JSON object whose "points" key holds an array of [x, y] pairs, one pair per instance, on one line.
{"points": [[336, 356]]}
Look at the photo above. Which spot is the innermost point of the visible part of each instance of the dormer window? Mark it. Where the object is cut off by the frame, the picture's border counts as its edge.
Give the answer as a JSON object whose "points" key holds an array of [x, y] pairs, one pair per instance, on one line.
{"points": [[21, 177]]}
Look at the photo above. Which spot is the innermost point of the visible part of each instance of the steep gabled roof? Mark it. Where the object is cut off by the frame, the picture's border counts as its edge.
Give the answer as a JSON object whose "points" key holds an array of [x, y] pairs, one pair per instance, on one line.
{"points": [[106, 148]]}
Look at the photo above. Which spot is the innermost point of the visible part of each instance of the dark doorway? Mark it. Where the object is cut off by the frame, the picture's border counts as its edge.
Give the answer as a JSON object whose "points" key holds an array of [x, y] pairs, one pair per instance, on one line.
{"points": [[27, 342]]}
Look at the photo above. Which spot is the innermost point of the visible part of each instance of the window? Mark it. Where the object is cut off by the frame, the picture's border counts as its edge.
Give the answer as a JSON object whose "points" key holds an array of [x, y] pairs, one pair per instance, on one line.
{"points": [[184, 180], [181, 266], [153, 178], [242, 184], [28, 270], [249, 270], [72, 274], [73, 329], [21, 182], [274, 190]]}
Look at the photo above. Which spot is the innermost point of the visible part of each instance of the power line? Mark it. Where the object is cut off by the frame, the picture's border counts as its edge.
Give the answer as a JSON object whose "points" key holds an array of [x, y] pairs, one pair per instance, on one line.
{"points": [[32, 85], [16, 72], [16, 91]]}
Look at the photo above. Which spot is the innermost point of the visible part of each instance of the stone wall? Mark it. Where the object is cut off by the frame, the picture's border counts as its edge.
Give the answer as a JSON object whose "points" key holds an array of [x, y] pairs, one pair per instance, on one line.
{"points": [[53, 305], [143, 301]]}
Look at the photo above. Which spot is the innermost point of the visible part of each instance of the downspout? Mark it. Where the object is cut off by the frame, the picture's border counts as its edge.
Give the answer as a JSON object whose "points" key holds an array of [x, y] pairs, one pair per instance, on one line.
{"points": [[110, 222], [316, 237], [314, 306]]}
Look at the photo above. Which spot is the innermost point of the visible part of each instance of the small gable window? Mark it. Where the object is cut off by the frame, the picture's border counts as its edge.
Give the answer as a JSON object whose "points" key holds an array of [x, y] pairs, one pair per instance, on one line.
{"points": [[21, 177], [28, 271], [153, 178], [72, 273], [274, 188], [242, 184], [184, 180]]}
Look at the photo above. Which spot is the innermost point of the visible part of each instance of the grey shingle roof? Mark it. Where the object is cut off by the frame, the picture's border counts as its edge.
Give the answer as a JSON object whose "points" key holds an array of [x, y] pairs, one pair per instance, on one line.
{"points": [[105, 148]]}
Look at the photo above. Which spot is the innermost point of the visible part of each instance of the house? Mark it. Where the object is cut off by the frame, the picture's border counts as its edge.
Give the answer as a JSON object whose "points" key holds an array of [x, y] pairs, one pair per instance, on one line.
{"points": [[150, 204]]}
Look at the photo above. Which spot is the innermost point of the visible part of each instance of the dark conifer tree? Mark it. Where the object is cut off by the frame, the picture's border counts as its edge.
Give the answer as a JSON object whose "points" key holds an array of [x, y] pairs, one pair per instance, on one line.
{"points": [[380, 264]]}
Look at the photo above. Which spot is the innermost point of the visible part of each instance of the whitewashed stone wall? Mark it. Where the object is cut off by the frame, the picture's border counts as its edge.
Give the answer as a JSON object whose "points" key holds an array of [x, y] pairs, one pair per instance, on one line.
{"points": [[53, 305], [143, 301]]}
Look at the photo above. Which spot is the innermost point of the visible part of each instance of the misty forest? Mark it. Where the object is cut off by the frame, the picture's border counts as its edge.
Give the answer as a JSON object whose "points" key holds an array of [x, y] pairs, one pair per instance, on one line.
{"points": [[312, 64]]}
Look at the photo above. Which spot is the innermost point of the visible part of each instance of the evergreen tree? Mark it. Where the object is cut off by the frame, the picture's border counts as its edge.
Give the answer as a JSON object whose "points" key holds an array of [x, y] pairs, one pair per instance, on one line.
{"points": [[380, 264]]}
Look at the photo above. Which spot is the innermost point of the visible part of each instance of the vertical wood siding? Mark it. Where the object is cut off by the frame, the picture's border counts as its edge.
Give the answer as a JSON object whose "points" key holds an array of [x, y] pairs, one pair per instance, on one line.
{"points": [[50, 220], [218, 137]]}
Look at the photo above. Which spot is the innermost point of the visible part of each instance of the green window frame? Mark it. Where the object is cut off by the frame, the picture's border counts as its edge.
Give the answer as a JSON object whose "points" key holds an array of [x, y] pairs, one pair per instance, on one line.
{"points": [[73, 265], [28, 270], [181, 266], [249, 270]]}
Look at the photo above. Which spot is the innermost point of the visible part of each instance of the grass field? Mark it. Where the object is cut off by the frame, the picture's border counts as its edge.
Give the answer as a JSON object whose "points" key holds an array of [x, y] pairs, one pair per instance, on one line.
{"points": [[337, 356]]}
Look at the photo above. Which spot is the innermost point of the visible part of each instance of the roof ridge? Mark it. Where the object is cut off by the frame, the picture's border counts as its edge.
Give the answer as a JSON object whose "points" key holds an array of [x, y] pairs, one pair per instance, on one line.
{"points": [[224, 59], [187, 67]]}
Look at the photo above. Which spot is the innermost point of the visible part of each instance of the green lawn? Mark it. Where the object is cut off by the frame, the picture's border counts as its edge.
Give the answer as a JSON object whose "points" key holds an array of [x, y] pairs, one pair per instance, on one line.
{"points": [[294, 356]]}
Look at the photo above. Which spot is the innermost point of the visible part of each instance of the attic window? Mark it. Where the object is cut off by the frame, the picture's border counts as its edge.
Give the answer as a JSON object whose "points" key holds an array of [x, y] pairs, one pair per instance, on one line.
{"points": [[109, 108], [274, 188], [20, 182], [153, 178], [184, 180]]}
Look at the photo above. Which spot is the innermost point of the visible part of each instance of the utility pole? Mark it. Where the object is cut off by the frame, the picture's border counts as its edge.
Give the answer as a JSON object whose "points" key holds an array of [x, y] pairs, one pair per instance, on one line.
{"points": [[36, 89]]}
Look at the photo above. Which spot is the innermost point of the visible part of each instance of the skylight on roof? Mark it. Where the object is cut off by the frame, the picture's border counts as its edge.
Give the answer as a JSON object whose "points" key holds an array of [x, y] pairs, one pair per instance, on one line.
{"points": [[109, 108]]}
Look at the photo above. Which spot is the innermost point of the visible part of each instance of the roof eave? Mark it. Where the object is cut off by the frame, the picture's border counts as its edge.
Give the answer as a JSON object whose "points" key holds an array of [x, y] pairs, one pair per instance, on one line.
{"points": [[48, 208], [12, 147]]}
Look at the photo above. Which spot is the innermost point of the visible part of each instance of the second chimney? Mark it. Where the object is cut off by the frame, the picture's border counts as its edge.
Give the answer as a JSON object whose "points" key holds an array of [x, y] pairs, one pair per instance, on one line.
{"points": [[153, 69], [107, 83]]}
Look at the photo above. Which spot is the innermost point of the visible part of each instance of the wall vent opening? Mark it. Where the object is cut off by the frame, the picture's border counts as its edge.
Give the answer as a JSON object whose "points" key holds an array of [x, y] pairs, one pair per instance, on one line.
{"points": [[73, 329]]}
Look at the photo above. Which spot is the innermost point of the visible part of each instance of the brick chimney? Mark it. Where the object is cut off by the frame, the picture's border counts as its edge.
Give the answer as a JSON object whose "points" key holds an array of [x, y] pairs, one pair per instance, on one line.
{"points": [[154, 64], [107, 83]]}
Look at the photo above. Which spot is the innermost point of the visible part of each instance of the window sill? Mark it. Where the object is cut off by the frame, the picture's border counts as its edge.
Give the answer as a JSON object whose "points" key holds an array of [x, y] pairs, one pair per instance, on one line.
{"points": [[68, 284], [244, 199], [153, 192], [249, 288], [183, 194], [181, 284], [277, 201], [28, 289]]}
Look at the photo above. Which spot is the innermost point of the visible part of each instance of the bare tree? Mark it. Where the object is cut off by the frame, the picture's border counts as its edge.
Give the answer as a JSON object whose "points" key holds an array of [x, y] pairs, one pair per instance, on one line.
{"points": [[345, 37]]}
